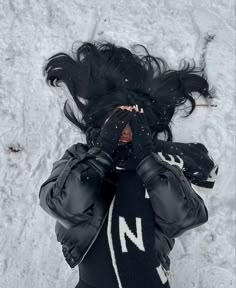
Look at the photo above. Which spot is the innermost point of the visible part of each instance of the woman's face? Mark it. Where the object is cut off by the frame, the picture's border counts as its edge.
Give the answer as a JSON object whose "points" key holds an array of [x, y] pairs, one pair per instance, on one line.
{"points": [[126, 135]]}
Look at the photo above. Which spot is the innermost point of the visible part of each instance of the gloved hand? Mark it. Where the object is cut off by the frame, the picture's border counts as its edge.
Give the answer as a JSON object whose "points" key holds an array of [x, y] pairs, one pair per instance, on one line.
{"points": [[112, 129], [142, 137]]}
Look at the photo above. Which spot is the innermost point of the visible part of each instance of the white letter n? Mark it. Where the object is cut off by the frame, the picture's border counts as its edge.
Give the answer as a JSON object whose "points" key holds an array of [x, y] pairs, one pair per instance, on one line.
{"points": [[124, 229]]}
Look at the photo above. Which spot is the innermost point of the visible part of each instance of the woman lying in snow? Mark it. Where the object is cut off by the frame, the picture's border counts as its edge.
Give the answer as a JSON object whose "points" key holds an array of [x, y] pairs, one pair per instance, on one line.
{"points": [[121, 199]]}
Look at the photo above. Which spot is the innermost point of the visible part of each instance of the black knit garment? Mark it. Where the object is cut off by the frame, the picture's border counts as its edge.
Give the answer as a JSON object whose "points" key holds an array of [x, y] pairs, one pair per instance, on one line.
{"points": [[123, 156], [131, 227]]}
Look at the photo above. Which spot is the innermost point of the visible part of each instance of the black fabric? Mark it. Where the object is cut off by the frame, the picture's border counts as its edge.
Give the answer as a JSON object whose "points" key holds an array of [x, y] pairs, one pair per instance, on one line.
{"points": [[112, 130], [132, 232], [193, 158], [83, 284], [92, 134], [96, 269], [123, 156], [141, 137]]}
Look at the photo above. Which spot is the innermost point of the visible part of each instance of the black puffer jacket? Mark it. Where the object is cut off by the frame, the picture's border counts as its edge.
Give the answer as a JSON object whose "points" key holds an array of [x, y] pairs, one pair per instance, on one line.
{"points": [[79, 191]]}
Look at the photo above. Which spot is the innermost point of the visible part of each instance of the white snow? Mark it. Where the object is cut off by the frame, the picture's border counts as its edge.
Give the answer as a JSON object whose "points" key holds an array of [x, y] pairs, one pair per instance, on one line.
{"points": [[32, 123]]}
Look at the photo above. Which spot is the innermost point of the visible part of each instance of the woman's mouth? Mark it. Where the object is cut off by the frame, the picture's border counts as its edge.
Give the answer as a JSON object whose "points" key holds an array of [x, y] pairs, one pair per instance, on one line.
{"points": [[124, 139]]}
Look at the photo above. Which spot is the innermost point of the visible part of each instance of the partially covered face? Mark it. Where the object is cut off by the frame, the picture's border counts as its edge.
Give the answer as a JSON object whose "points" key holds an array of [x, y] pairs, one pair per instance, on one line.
{"points": [[126, 135]]}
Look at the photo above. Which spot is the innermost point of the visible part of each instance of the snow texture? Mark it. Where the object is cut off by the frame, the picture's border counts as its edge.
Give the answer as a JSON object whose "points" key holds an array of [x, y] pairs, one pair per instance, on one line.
{"points": [[34, 132]]}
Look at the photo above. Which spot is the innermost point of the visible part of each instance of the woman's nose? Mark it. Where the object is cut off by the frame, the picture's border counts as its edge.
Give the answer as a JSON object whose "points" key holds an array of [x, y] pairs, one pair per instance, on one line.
{"points": [[127, 132]]}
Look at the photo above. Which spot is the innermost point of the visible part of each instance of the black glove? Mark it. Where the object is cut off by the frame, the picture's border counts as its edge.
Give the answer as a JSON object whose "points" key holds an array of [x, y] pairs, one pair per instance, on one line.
{"points": [[92, 134], [112, 130], [141, 136]]}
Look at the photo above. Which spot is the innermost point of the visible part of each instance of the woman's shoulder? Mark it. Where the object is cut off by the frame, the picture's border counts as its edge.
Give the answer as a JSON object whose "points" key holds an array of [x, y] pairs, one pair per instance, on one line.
{"points": [[77, 149]]}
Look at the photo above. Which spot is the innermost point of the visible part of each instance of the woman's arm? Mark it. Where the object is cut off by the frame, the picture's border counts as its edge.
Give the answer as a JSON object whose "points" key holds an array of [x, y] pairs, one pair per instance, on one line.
{"points": [[67, 193], [177, 206]]}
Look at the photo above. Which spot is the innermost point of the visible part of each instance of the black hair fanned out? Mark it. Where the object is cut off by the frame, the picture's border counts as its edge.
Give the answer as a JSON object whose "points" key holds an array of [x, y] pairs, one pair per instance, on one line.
{"points": [[107, 76]]}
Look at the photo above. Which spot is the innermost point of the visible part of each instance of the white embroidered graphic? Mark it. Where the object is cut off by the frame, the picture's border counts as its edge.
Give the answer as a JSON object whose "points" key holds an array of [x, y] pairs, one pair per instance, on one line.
{"points": [[180, 164], [110, 242], [119, 168], [212, 176], [161, 274], [124, 230], [146, 194]]}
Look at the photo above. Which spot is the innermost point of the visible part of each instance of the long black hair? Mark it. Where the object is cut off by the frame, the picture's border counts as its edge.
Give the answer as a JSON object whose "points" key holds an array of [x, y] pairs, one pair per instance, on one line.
{"points": [[102, 76]]}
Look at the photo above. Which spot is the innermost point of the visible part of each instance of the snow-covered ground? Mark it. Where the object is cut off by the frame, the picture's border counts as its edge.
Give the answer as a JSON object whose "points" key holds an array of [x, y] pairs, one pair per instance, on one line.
{"points": [[32, 123]]}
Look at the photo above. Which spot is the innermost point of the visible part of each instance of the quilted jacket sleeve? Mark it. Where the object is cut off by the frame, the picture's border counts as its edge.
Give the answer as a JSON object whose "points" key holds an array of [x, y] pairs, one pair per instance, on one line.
{"points": [[177, 206], [59, 195]]}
